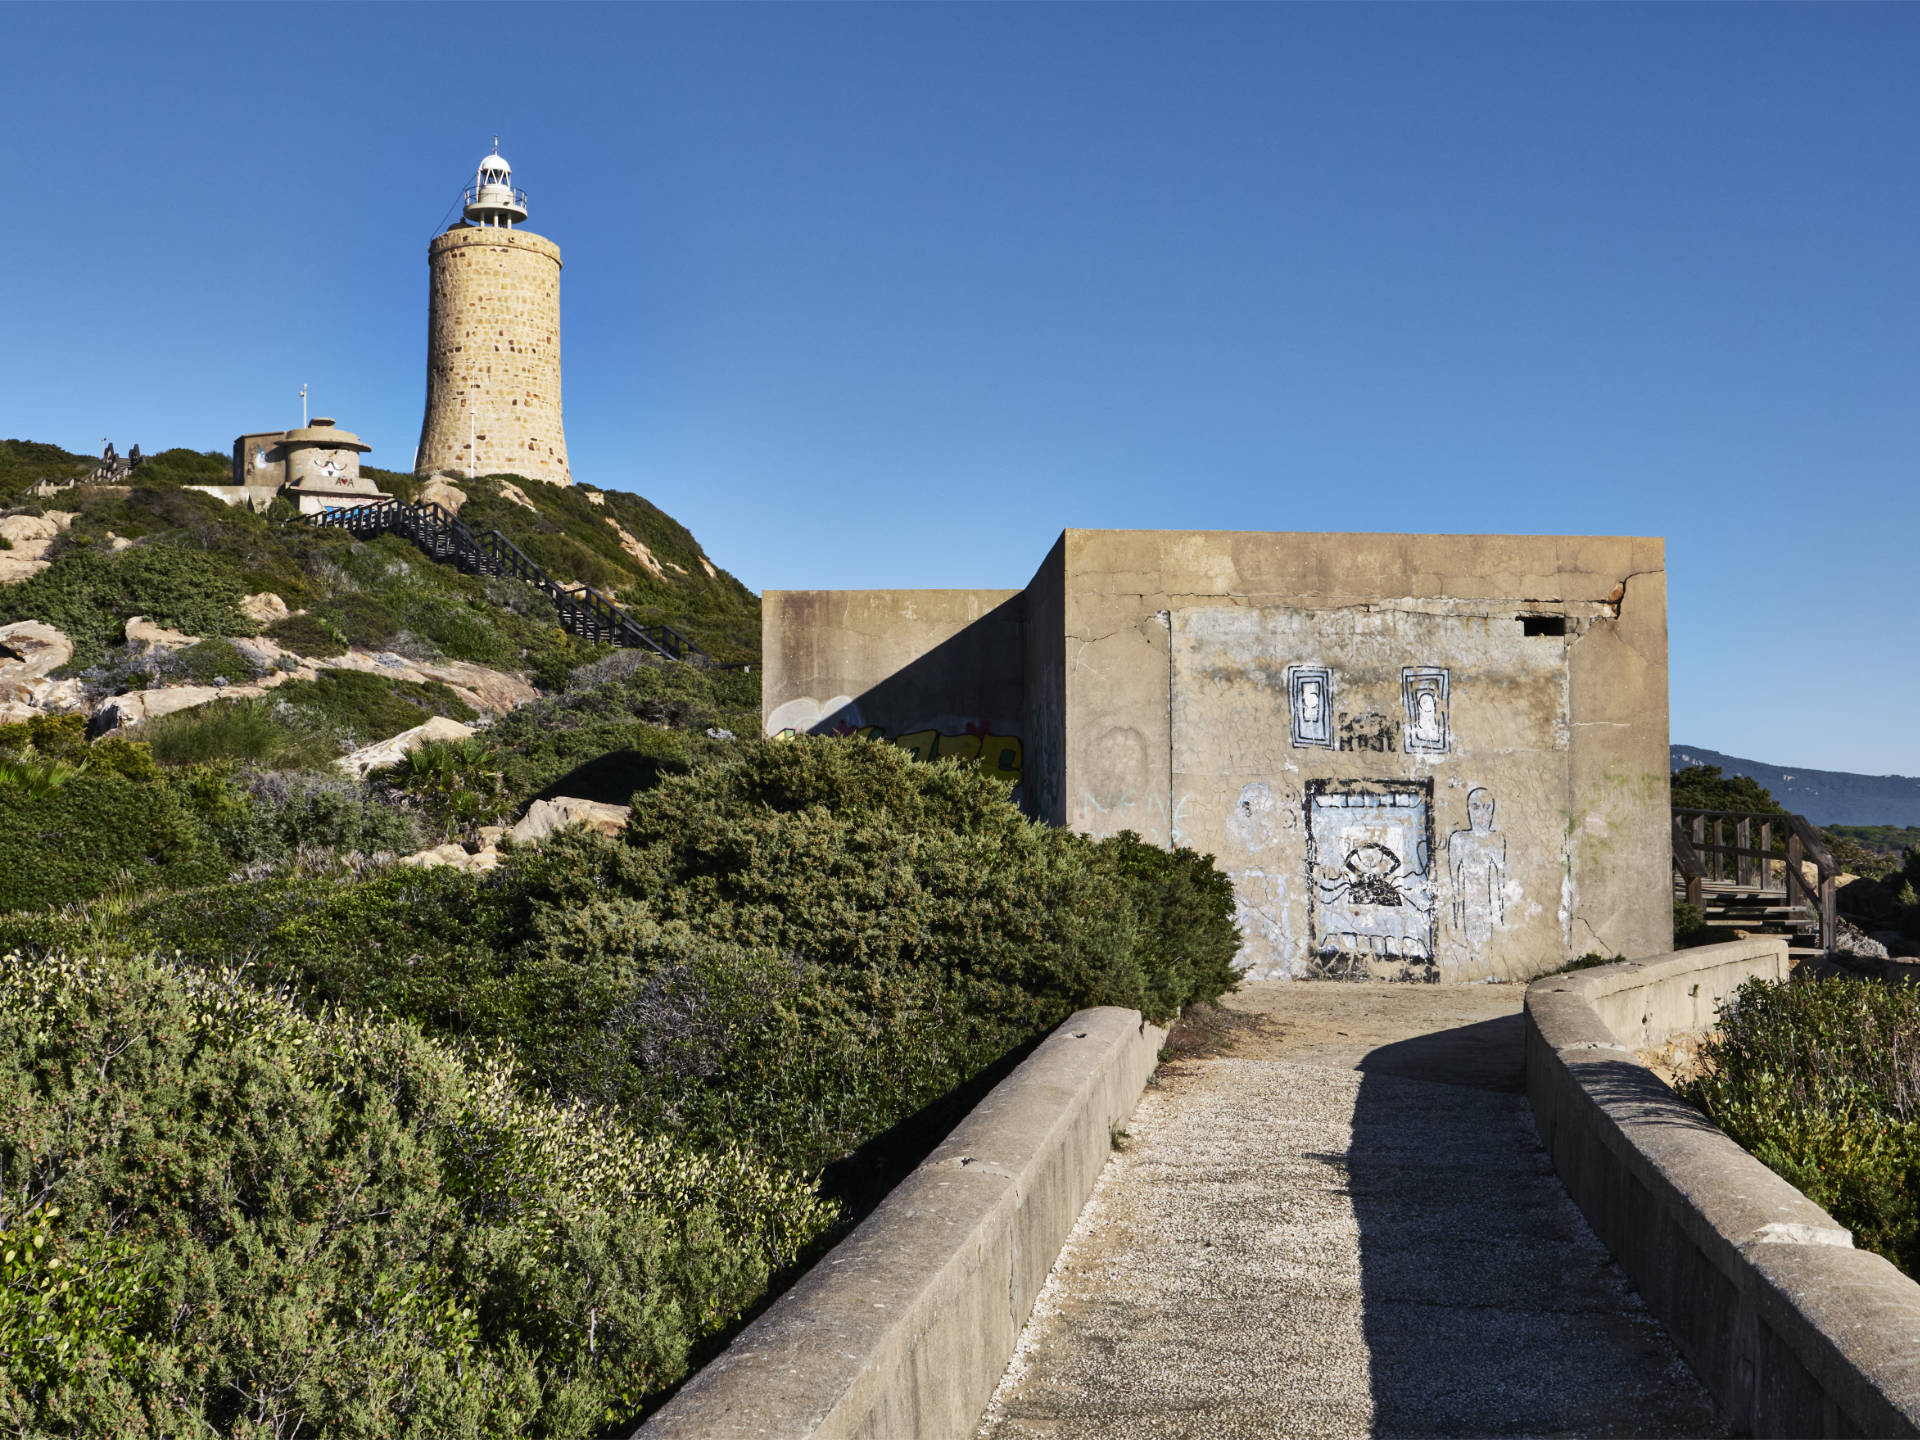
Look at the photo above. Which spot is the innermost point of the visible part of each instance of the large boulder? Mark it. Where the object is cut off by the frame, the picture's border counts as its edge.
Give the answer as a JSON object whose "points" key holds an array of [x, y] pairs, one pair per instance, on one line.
{"points": [[265, 608], [29, 537], [142, 631], [437, 491], [387, 752], [30, 651], [543, 817]]}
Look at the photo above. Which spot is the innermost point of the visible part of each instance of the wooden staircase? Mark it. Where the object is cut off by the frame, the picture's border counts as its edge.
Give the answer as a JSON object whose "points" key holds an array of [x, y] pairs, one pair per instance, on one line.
{"points": [[442, 535], [1749, 871]]}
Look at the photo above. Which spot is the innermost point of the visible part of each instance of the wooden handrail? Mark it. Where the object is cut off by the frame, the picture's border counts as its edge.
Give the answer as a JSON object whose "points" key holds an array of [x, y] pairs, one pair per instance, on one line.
{"points": [[1701, 849]]}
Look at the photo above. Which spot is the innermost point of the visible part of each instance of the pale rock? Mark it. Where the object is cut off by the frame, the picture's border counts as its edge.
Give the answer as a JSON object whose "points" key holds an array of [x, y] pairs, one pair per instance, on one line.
{"points": [[264, 608], [117, 543], [437, 491], [389, 751], [142, 631], [637, 548], [25, 529], [455, 857], [448, 854], [30, 651], [494, 691], [594, 497], [511, 491], [544, 817], [31, 536], [707, 565]]}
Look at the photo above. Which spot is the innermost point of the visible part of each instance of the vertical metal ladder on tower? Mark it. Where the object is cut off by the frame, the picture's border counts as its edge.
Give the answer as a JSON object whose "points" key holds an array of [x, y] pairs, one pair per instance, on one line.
{"points": [[443, 536]]}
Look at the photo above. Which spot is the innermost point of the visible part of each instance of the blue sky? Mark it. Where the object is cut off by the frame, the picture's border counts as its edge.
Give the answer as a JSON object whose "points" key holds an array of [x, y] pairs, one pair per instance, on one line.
{"points": [[875, 296]]}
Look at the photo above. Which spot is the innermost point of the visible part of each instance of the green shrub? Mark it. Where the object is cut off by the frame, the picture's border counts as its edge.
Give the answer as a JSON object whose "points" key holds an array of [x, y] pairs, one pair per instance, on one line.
{"points": [[455, 785], [361, 708], [1690, 927], [308, 635], [208, 663], [332, 1225], [1820, 1079], [259, 731], [102, 828], [793, 949], [325, 817], [89, 595]]}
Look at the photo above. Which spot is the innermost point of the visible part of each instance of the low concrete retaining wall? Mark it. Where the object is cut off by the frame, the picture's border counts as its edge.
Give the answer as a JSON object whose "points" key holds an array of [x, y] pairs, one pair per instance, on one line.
{"points": [[906, 1327], [1794, 1331]]}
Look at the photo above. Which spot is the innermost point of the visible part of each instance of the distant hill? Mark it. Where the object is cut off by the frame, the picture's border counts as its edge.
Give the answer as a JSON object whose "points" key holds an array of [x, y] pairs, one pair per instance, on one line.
{"points": [[1826, 797]]}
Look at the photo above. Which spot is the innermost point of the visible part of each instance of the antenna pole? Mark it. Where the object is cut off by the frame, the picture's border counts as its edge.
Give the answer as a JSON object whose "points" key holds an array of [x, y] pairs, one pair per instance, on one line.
{"points": [[303, 407]]}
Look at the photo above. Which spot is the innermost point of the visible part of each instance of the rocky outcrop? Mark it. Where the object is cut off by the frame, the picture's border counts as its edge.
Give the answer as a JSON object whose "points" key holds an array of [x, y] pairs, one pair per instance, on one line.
{"points": [[637, 548], [492, 691], [457, 856], [142, 631], [30, 536], [30, 651], [387, 752], [438, 492], [265, 608], [543, 817]]}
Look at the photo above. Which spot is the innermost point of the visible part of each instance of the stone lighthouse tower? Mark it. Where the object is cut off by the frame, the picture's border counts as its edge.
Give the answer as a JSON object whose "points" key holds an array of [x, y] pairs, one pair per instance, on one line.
{"points": [[493, 341]]}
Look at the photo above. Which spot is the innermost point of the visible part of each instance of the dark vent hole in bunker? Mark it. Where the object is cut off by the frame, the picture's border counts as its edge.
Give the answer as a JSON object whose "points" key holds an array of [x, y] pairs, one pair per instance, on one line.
{"points": [[1543, 624]]}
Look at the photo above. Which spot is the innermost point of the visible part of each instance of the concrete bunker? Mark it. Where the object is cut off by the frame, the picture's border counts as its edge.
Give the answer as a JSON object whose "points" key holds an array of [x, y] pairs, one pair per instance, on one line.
{"points": [[1420, 758]]}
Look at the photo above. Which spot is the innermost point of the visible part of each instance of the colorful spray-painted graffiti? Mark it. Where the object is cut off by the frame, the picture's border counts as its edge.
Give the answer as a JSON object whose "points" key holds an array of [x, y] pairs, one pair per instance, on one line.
{"points": [[1001, 756]]}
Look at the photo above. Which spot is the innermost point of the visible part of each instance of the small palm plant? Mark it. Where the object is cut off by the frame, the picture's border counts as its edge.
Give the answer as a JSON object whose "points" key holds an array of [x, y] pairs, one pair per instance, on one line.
{"points": [[456, 784]]}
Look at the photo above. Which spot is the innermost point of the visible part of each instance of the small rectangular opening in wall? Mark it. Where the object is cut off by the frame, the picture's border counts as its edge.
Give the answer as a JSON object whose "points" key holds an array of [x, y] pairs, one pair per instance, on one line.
{"points": [[1543, 624]]}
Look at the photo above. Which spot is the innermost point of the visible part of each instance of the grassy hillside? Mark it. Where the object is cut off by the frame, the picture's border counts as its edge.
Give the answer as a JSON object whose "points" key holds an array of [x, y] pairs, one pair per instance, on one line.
{"points": [[382, 594]]}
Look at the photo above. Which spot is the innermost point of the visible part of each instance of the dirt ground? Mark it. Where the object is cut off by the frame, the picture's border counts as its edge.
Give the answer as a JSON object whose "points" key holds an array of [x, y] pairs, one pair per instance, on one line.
{"points": [[1453, 1034]]}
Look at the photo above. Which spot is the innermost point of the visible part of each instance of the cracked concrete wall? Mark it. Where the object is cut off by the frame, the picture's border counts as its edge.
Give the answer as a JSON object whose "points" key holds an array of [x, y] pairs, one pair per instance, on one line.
{"points": [[1420, 757], [1403, 782]]}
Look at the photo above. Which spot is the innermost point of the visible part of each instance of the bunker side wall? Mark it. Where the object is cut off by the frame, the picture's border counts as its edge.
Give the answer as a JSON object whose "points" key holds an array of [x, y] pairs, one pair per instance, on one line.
{"points": [[941, 672]]}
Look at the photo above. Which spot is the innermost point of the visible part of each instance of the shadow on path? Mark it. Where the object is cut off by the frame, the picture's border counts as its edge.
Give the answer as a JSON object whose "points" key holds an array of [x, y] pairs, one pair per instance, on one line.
{"points": [[1488, 1306]]}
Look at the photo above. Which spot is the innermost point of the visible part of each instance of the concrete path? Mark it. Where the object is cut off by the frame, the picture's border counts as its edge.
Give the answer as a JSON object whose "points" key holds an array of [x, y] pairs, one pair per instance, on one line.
{"points": [[1344, 1226]]}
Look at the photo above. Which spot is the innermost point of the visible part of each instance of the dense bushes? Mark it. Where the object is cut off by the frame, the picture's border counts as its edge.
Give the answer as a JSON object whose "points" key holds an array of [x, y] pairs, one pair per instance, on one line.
{"points": [[102, 827], [794, 949], [1820, 1079], [220, 1216], [90, 593]]}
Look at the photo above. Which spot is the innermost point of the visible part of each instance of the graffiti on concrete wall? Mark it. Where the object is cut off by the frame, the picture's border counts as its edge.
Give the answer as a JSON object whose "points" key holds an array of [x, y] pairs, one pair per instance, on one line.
{"points": [[972, 742], [1477, 869], [1370, 732], [1424, 689], [1310, 701], [1254, 830], [1369, 869]]}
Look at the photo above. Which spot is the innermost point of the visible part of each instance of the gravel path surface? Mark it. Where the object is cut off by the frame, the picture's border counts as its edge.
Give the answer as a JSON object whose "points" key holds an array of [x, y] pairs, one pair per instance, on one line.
{"points": [[1295, 1247]]}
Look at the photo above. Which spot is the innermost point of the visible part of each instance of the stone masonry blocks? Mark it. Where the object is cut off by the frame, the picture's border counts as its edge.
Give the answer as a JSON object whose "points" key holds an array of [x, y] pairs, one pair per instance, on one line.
{"points": [[493, 345]]}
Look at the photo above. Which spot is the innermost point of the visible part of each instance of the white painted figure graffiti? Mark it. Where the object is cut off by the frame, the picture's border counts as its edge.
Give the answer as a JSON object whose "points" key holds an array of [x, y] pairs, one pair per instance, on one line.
{"points": [[1310, 697], [1424, 688], [1477, 865], [1426, 721]]}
